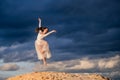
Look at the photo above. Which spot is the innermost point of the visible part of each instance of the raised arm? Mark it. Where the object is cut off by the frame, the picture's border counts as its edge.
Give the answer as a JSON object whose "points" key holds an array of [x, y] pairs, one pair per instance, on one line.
{"points": [[49, 33], [39, 20]]}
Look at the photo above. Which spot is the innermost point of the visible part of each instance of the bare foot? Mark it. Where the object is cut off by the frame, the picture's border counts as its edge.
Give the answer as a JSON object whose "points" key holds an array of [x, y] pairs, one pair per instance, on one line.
{"points": [[45, 64]]}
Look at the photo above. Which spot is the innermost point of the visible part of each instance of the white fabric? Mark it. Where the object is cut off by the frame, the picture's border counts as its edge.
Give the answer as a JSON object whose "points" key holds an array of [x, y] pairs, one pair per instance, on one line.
{"points": [[40, 42]]}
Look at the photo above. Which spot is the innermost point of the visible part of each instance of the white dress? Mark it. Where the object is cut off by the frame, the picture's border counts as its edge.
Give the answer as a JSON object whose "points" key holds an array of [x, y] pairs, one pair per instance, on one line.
{"points": [[40, 43]]}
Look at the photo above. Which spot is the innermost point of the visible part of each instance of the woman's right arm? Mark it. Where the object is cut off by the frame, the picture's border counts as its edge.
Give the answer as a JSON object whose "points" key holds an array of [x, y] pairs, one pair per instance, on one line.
{"points": [[39, 20]]}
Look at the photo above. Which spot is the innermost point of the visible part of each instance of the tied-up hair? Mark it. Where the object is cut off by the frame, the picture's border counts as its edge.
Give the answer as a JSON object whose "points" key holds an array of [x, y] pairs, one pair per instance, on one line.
{"points": [[40, 29]]}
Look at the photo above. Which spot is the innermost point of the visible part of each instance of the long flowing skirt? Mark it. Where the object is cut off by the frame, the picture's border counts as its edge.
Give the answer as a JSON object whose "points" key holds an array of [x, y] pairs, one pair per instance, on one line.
{"points": [[43, 47]]}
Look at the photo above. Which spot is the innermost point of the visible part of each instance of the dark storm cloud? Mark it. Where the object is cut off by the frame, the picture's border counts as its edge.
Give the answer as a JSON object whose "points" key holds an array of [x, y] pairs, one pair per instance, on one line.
{"points": [[92, 26], [89, 43], [18, 20]]}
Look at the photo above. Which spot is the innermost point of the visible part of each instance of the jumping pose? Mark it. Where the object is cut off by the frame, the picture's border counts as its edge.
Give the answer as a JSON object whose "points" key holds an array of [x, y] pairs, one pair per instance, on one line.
{"points": [[41, 45]]}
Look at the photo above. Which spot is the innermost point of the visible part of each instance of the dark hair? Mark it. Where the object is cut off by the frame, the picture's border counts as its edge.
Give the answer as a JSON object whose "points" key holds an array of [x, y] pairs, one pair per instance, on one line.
{"points": [[41, 28]]}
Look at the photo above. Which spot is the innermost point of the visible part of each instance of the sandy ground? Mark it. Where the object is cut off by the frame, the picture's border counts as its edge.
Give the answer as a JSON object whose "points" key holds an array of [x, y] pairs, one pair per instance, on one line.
{"points": [[57, 76]]}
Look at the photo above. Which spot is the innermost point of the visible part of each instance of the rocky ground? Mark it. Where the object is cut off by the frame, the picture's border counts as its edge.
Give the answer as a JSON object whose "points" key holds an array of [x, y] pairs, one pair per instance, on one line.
{"points": [[57, 76]]}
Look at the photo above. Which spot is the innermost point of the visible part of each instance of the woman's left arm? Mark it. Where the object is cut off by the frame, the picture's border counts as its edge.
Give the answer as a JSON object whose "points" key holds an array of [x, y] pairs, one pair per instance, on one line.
{"points": [[49, 33]]}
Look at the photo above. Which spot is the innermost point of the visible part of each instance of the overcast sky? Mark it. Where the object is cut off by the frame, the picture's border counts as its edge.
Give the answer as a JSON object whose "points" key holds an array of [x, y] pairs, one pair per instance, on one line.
{"points": [[85, 28]]}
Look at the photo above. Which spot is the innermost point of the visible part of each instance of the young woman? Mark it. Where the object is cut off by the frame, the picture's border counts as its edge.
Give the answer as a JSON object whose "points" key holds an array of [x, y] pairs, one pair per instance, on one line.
{"points": [[41, 46]]}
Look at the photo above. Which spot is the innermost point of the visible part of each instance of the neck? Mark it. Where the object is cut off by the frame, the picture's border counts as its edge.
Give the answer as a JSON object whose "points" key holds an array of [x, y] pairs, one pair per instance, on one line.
{"points": [[41, 32]]}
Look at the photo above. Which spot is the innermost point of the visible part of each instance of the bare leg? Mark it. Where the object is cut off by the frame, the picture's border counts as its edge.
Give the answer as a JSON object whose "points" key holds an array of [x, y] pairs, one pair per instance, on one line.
{"points": [[40, 50], [43, 52], [44, 61]]}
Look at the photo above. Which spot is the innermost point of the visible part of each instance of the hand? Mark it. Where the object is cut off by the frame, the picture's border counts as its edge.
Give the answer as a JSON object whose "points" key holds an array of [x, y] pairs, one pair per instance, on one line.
{"points": [[39, 19], [54, 30]]}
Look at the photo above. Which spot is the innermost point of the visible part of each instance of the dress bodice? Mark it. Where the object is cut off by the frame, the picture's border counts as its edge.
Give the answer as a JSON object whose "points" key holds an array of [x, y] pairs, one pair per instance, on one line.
{"points": [[40, 36]]}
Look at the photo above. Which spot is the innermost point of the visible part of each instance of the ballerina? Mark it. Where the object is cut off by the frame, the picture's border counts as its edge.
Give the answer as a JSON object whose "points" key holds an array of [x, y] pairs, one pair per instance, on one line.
{"points": [[41, 45]]}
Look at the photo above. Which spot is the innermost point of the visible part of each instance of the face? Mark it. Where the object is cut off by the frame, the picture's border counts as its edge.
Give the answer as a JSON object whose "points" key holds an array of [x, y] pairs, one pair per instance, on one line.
{"points": [[45, 31]]}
